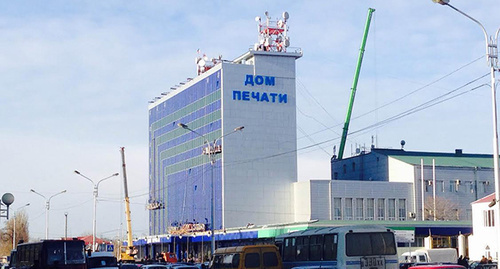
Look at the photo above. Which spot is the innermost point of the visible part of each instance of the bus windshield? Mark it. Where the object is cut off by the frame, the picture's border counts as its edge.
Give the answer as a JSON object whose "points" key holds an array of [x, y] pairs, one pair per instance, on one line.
{"points": [[64, 252], [367, 244]]}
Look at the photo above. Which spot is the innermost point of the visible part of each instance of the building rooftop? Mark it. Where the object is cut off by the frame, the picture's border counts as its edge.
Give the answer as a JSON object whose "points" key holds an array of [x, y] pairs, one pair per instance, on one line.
{"points": [[457, 159]]}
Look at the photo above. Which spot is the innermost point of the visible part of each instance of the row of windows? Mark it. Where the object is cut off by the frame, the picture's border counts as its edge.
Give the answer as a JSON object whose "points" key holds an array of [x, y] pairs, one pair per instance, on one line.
{"points": [[314, 248], [195, 124], [190, 163], [369, 209], [186, 145], [457, 186], [188, 109]]}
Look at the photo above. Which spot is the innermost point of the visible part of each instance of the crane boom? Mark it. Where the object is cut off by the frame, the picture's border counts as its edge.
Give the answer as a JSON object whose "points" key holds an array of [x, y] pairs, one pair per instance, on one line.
{"points": [[354, 85], [130, 251]]}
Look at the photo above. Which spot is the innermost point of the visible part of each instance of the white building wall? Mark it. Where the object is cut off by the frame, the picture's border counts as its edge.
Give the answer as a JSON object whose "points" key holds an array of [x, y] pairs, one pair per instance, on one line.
{"points": [[320, 202], [484, 239], [260, 164], [302, 201], [400, 171]]}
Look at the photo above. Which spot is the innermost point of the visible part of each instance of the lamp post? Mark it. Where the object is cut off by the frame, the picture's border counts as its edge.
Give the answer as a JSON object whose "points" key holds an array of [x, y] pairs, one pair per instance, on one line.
{"points": [[65, 225], [492, 60], [47, 208], [14, 229], [211, 151], [96, 190]]}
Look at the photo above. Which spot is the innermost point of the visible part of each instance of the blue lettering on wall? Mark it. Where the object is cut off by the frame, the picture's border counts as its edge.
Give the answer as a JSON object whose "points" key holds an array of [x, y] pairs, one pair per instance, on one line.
{"points": [[260, 96], [259, 80]]}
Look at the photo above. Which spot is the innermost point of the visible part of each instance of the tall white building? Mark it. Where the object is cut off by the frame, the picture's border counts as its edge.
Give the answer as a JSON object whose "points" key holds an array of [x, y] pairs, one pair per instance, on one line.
{"points": [[253, 169]]}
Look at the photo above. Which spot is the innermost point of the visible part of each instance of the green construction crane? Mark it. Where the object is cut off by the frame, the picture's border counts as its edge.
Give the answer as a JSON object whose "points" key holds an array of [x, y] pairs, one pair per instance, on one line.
{"points": [[355, 84]]}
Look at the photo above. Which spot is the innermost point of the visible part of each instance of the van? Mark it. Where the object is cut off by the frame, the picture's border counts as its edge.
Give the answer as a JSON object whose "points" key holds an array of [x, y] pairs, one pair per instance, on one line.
{"points": [[247, 257], [435, 255]]}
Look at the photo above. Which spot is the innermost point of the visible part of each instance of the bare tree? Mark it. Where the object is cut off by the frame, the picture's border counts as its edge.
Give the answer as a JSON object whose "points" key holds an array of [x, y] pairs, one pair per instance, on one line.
{"points": [[445, 209], [20, 222]]}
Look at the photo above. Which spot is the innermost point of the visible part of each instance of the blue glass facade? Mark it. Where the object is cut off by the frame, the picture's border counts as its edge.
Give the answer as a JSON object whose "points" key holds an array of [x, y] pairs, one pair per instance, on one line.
{"points": [[180, 177]]}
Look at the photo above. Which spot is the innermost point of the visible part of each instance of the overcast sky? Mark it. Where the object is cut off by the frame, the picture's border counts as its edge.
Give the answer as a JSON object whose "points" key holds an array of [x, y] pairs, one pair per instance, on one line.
{"points": [[76, 78]]}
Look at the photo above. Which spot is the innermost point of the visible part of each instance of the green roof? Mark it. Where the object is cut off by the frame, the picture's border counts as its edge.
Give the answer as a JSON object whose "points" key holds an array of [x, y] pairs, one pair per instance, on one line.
{"points": [[457, 159], [447, 161]]}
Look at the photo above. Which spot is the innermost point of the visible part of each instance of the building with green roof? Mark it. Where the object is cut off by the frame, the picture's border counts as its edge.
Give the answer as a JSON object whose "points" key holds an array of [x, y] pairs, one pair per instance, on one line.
{"points": [[442, 185]]}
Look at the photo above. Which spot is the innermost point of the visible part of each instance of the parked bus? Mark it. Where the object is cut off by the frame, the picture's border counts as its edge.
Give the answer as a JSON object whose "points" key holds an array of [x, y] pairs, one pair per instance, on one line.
{"points": [[50, 254], [362, 246]]}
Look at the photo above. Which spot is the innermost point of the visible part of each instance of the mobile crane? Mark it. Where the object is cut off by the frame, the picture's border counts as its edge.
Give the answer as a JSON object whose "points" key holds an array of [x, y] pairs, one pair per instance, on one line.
{"points": [[127, 253], [355, 85]]}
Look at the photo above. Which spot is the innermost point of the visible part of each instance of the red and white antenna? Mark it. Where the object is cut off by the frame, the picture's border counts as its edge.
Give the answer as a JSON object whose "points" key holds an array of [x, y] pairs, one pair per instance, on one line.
{"points": [[273, 35]]}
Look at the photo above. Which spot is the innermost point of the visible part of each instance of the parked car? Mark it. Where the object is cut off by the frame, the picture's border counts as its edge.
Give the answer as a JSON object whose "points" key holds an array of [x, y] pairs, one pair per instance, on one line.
{"points": [[478, 265], [130, 266], [102, 260], [154, 266]]}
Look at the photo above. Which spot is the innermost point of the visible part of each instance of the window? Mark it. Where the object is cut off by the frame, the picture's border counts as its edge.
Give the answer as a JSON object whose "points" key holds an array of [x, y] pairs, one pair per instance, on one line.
{"points": [[353, 166], [471, 186], [489, 220], [315, 247], [337, 208], [359, 208], [330, 247], [453, 186], [485, 186], [302, 248], [391, 209], [289, 253], [269, 259], [348, 209], [344, 167], [230, 260], [428, 185], [335, 175], [440, 186], [370, 210], [380, 209], [367, 244], [402, 209], [252, 260]]}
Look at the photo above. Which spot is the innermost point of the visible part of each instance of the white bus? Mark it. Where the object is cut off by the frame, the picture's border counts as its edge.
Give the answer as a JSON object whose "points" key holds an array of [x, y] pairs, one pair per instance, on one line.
{"points": [[359, 246]]}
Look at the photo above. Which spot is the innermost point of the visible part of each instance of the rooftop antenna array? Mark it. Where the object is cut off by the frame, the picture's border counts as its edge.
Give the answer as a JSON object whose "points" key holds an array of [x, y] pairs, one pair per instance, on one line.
{"points": [[273, 35], [203, 63]]}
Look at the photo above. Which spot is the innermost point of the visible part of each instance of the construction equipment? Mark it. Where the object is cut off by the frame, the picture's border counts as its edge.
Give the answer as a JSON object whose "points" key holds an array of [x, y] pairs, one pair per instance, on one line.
{"points": [[354, 85], [127, 253]]}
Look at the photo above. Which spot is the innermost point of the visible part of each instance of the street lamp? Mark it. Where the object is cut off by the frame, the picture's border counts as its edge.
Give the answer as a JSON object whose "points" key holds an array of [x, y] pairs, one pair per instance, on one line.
{"points": [[47, 208], [211, 150], [14, 229], [96, 190], [65, 225], [492, 60]]}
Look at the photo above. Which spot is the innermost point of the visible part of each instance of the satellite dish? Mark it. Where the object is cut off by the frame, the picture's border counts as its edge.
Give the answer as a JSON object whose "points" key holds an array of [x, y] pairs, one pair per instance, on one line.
{"points": [[402, 144], [257, 18], [287, 42], [8, 199], [266, 13], [285, 15], [202, 62]]}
